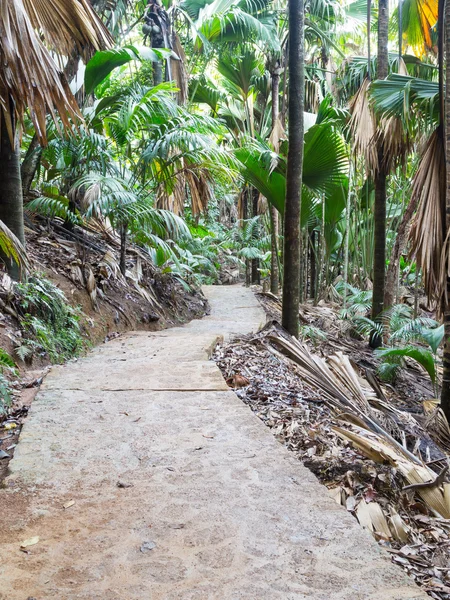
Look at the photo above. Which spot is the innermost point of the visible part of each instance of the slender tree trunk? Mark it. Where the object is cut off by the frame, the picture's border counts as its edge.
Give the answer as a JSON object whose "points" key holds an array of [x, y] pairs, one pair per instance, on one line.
{"points": [[445, 391], [255, 261], [274, 275], [291, 278], [399, 245], [11, 199], [30, 164], [123, 249], [312, 262], [379, 256]]}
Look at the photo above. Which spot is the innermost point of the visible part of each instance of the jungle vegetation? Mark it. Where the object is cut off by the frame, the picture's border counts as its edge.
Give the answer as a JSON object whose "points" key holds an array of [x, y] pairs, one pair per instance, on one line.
{"points": [[306, 142]]}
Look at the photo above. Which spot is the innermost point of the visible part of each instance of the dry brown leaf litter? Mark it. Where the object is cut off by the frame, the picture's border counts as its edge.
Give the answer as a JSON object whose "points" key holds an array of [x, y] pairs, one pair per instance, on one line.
{"points": [[364, 448]]}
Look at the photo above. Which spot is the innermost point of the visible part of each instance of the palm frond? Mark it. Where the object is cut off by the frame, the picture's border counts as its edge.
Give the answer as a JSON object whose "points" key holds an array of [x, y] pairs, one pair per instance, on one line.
{"points": [[12, 248], [427, 234], [31, 78], [68, 24], [362, 127]]}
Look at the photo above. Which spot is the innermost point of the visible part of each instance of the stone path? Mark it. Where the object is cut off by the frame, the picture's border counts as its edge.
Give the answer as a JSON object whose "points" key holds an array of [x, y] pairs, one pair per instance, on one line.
{"points": [[216, 508]]}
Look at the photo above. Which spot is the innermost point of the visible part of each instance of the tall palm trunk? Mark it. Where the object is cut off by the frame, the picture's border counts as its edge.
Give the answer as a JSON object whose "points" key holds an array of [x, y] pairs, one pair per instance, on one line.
{"points": [[291, 278], [11, 200], [123, 248], [445, 392], [255, 261], [274, 275], [379, 258], [30, 164]]}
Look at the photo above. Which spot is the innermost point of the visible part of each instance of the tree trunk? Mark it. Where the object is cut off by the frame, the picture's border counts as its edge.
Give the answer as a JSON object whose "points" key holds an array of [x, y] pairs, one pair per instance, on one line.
{"points": [[30, 164], [11, 199], [123, 249], [445, 391], [312, 262], [291, 278], [157, 73], [255, 261], [379, 256], [274, 275], [399, 245]]}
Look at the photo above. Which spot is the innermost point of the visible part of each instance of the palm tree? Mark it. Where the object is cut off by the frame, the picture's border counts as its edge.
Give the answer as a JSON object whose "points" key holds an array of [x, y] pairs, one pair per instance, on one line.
{"points": [[30, 80], [275, 72], [291, 275], [445, 392], [379, 258]]}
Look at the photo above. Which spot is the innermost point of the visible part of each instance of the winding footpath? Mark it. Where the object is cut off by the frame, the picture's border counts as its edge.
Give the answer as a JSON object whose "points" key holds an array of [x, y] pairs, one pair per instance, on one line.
{"points": [[173, 488]]}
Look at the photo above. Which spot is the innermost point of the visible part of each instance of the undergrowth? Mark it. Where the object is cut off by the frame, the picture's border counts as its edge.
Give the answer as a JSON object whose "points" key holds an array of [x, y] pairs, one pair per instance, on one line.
{"points": [[49, 324]]}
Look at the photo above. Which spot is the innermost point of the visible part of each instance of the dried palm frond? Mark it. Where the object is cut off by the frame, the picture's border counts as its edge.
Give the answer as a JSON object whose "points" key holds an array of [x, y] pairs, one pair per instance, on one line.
{"points": [[395, 142], [343, 390], [379, 449], [362, 127], [313, 95], [29, 77], [12, 248], [179, 73], [172, 198], [200, 190], [427, 233], [436, 424], [393, 137], [68, 24], [277, 134]]}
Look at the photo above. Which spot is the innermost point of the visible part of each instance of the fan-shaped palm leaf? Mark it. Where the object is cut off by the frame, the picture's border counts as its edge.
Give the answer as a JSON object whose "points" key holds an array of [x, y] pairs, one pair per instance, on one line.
{"points": [[68, 24], [29, 77]]}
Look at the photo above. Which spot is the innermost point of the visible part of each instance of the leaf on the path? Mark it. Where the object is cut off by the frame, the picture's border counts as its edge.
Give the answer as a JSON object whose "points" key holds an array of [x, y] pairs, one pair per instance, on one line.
{"points": [[237, 381], [30, 542], [9, 426], [3, 454], [124, 484], [209, 437], [69, 504], [147, 546]]}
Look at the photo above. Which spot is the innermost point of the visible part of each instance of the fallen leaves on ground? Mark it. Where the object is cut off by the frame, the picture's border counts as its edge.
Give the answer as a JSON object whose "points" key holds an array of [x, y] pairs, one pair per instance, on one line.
{"points": [[30, 542], [364, 443]]}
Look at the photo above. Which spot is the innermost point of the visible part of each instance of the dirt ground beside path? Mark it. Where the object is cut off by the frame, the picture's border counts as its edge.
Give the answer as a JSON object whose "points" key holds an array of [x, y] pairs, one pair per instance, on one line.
{"points": [[140, 476]]}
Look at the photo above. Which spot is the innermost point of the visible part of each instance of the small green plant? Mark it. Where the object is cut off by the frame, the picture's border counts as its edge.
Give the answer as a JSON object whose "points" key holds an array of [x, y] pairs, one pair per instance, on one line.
{"points": [[51, 326], [311, 333], [398, 328], [5, 394], [6, 364]]}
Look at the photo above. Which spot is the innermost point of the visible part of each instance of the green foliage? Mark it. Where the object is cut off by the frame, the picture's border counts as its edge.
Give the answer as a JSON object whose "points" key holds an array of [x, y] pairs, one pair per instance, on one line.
{"points": [[104, 62], [48, 321], [7, 362], [11, 247], [399, 95], [5, 394], [423, 357], [311, 333]]}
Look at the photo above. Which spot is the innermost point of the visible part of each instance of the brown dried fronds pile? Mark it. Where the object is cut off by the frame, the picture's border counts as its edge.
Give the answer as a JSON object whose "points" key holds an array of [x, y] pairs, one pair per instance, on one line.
{"points": [[358, 442]]}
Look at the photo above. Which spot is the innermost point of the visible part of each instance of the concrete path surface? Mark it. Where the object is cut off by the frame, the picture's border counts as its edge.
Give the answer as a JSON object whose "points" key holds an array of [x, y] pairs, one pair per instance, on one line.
{"points": [[173, 488]]}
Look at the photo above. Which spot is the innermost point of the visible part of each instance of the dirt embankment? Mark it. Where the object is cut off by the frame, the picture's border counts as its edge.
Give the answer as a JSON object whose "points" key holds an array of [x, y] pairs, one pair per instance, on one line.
{"points": [[108, 304]]}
